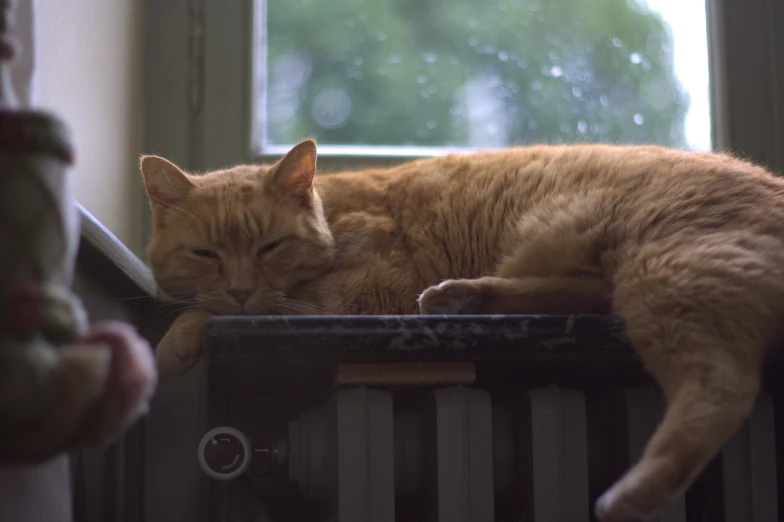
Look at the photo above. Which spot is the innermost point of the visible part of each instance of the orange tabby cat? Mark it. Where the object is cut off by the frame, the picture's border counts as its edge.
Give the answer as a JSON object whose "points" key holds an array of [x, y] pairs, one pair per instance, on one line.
{"points": [[688, 248]]}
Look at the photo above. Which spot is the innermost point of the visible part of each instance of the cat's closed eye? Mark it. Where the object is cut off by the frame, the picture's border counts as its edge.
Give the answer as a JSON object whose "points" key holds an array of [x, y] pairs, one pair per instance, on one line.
{"points": [[203, 252], [269, 247]]}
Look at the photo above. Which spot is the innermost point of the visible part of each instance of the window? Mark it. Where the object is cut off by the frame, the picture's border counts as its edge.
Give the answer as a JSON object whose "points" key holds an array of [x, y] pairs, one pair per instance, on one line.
{"points": [[230, 82], [411, 76]]}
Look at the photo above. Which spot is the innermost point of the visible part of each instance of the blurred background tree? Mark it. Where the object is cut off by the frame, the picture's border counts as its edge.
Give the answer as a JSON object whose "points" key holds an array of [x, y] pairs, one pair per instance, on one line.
{"points": [[470, 73]]}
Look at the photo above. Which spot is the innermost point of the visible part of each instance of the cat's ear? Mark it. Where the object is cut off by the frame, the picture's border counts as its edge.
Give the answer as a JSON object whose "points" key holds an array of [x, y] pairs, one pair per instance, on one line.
{"points": [[166, 184], [293, 174]]}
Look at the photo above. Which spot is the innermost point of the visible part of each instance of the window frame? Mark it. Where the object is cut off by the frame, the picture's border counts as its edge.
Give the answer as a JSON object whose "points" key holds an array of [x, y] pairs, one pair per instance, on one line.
{"points": [[746, 52]]}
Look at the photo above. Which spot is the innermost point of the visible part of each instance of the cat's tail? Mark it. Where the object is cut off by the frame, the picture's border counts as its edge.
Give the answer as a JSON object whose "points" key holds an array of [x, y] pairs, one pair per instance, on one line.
{"points": [[702, 331]]}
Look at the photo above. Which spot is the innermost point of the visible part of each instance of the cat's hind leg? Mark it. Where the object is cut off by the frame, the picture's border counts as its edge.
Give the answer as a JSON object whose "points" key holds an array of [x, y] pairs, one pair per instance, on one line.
{"points": [[701, 320], [523, 295]]}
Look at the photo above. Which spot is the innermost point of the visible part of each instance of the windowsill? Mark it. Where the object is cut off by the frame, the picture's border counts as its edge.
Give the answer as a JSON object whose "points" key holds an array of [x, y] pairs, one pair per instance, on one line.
{"points": [[343, 157], [372, 151]]}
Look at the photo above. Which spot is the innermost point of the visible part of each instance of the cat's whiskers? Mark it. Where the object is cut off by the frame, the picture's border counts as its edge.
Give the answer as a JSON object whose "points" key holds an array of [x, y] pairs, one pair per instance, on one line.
{"points": [[304, 306], [178, 310], [283, 309], [178, 298], [288, 308], [135, 298], [278, 310], [300, 307]]}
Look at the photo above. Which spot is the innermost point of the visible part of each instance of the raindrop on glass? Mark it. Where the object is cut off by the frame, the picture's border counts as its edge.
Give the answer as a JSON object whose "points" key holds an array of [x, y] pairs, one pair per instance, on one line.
{"points": [[432, 124], [421, 78], [556, 71], [430, 57], [503, 56], [638, 119], [331, 108], [635, 58]]}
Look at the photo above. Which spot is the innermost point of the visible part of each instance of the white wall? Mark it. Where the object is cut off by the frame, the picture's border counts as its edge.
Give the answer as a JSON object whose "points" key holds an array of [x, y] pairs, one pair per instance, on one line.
{"points": [[89, 72]]}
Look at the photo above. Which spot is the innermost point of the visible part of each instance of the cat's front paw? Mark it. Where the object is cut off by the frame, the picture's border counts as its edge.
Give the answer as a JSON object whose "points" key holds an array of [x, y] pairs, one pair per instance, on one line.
{"points": [[453, 296], [180, 348]]}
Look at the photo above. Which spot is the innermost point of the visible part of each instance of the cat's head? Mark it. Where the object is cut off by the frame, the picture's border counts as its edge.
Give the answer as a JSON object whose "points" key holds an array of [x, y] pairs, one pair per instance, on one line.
{"points": [[237, 240]]}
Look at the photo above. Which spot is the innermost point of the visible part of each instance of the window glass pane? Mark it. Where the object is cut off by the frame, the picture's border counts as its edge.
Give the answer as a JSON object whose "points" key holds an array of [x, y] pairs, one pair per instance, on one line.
{"points": [[476, 73]]}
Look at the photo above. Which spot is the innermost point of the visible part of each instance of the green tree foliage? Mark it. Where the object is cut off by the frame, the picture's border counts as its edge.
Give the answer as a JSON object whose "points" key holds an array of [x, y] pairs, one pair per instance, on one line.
{"points": [[470, 72]]}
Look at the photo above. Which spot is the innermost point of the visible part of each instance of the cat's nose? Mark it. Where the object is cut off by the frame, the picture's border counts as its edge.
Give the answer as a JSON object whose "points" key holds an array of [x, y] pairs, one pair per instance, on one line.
{"points": [[241, 294]]}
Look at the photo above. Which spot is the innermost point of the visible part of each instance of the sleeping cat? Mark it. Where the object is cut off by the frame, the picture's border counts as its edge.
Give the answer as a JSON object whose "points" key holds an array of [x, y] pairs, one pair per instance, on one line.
{"points": [[687, 248]]}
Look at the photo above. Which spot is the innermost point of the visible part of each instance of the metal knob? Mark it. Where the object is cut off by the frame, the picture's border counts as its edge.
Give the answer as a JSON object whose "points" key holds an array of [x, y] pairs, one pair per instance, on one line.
{"points": [[224, 453]]}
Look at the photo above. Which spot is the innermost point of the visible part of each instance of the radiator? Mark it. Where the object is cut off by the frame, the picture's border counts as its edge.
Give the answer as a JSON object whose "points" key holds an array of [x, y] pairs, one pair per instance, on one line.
{"points": [[512, 419]]}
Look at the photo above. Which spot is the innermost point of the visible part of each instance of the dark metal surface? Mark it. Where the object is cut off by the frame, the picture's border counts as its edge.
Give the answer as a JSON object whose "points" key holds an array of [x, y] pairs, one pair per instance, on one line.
{"points": [[583, 339]]}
